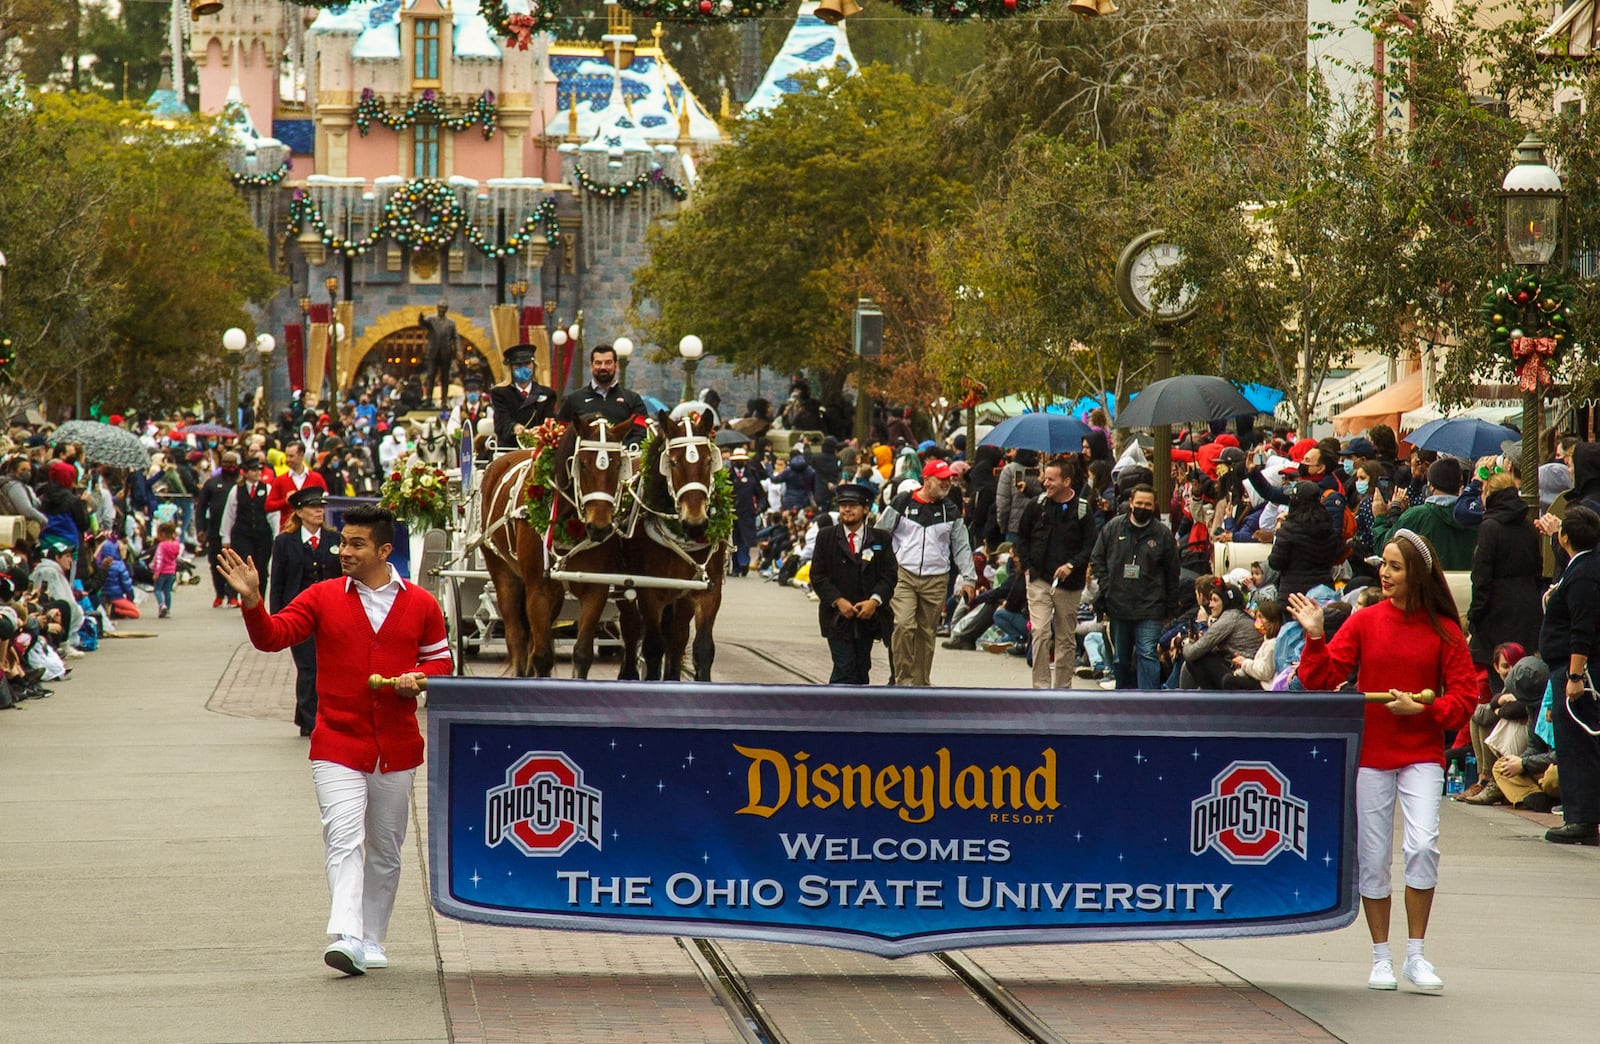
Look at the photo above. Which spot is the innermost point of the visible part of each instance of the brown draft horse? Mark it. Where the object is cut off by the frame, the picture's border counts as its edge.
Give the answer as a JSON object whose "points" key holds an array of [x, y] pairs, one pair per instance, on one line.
{"points": [[590, 468], [677, 478]]}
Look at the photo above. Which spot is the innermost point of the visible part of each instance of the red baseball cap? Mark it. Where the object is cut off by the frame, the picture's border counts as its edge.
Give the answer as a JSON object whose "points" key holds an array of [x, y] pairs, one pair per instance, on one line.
{"points": [[937, 468]]}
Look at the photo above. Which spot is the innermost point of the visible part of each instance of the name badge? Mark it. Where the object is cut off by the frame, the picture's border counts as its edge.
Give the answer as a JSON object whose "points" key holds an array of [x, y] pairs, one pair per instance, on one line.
{"points": [[866, 556], [1130, 571]]}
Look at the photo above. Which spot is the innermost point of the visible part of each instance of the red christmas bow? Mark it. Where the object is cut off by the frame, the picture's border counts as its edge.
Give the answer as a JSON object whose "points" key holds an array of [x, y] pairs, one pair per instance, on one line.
{"points": [[1530, 354]]}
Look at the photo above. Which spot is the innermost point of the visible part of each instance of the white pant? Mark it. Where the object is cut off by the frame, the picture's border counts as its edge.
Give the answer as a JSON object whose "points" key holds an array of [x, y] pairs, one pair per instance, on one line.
{"points": [[1419, 789], [364, 819]]}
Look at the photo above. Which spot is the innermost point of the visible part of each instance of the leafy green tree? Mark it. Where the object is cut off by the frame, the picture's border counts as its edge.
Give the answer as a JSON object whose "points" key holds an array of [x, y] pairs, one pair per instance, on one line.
{"points": [[757, 264], [130, 251]]}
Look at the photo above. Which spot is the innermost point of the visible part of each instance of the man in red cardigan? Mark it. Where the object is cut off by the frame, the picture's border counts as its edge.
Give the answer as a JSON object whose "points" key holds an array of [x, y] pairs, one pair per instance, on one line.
{"points": [[292, 481], [365, 746]]}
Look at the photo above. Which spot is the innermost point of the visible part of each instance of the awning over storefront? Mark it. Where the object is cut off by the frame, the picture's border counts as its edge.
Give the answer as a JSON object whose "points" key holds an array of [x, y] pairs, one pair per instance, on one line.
{"points": [[1573, 34], [1385, 407]]}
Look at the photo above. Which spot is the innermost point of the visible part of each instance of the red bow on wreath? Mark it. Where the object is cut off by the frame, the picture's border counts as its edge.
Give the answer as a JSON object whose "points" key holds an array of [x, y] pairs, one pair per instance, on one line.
{"points": [[1530, 354]]}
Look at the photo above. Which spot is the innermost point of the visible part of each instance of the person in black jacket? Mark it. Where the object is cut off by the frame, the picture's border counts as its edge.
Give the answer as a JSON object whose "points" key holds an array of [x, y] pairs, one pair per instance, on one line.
{"points": [[524, 403], [1054, 540], [1571, 620], [1306, 546], [245, 524], [304, 554], [208, 506], [1506, 563], [749, 501], [621, 408], [827, 475], [853, 574]]}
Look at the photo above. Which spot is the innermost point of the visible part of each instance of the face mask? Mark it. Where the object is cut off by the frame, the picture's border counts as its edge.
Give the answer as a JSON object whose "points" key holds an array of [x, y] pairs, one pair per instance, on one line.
{"points": [[522, 374], [1362, 485], [1142, 516], [472, 396]]}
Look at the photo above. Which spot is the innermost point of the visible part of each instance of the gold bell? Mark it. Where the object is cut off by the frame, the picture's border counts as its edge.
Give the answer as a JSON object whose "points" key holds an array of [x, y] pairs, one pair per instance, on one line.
{"points": [[201, 8], [1092, 8], [832, 12]]}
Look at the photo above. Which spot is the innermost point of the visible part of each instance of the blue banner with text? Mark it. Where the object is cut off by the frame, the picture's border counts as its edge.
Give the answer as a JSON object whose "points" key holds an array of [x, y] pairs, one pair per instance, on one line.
{"points": [[891, 821]]}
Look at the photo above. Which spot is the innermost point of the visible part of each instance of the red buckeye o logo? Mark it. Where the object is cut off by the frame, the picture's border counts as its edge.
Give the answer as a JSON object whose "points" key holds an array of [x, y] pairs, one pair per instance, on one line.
{"points": [[1249, 816], [543, 808]]}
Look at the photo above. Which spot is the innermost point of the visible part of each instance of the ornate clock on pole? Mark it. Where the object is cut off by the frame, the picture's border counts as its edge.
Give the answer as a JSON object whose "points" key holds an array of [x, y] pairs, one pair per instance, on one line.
{"points": [[1139, 269]]}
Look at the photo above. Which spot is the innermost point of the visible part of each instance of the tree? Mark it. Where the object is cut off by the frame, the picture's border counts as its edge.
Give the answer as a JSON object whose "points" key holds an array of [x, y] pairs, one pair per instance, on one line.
{"points": [[757, 265], [130, 251]]}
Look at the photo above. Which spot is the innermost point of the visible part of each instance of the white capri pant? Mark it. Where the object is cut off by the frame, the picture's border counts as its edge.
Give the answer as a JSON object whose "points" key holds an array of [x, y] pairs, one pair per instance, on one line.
{"points": [[1419, 789], [364, 819]]}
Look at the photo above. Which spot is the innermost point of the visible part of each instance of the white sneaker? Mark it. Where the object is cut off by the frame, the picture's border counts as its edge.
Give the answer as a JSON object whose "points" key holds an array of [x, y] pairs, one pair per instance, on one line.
{"points": [[1382, 977], [74, 653], [346, 955], [1420, 974], [374, 954]]}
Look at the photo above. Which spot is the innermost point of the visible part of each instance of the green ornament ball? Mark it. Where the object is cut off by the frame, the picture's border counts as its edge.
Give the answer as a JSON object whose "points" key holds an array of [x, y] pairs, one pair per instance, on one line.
{"points": [[1501, 331]]}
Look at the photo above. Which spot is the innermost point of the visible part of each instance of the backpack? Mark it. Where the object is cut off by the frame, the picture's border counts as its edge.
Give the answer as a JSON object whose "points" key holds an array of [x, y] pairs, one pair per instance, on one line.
{"points": [[1344, 521]]}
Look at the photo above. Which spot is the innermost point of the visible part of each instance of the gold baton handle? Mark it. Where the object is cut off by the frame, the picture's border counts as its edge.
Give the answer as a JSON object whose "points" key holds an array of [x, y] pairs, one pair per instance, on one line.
{"points": [[378, 681], [1425, 696]]}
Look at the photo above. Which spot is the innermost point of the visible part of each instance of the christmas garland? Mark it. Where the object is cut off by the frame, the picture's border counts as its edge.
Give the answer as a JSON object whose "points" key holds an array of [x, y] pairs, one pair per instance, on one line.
{"points": [[1529, 319], [539, 495], [966, 10], [8, 359], [703, 12], [654, 177], [426, 110], [446, 217], [261, 180], [518, 29]]}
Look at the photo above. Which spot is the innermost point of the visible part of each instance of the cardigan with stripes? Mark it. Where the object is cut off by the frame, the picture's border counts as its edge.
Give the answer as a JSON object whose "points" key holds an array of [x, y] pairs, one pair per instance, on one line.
{"points": [[363, 729]]}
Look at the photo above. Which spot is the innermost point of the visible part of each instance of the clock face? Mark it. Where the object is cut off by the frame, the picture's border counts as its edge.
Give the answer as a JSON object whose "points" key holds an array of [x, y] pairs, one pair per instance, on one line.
{"points": [[1146, 268]]}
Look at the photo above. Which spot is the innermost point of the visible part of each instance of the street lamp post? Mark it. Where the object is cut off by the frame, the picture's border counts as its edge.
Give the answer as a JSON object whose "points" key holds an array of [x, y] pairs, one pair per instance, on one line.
{"points": [[691, 349], [233, 342], [624, 348], [265, 345], [1533, 210]]}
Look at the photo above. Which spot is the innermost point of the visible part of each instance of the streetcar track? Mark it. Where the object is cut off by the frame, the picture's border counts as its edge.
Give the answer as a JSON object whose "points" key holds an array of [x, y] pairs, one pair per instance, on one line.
{"points": [[755, 1026]]}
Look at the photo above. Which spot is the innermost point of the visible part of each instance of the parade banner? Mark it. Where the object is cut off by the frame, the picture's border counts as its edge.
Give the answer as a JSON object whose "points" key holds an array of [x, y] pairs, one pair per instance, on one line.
{"points": [[891, 821]]}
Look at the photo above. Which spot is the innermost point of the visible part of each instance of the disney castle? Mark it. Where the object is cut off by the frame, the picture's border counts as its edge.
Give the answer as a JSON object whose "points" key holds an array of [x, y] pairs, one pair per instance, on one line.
{"points": [[400, 154]]}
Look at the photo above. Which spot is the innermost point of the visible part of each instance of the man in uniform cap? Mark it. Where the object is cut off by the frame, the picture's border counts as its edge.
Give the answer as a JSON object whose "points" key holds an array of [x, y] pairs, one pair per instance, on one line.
{"points": [[522, 404], [305, 553], [472, 408], [853, 573], [605, 398]]}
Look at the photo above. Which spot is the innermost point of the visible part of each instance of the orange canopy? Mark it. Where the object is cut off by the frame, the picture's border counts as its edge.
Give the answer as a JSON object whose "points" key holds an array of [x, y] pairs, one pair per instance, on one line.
{"points": [[1384, 407]]}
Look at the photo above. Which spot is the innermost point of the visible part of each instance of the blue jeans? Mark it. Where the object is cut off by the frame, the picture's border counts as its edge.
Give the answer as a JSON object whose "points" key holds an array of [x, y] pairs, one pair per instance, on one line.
{"points": [[852, 660], [1094, 645], [164, 584], [1013, 625], [1133, 653]]}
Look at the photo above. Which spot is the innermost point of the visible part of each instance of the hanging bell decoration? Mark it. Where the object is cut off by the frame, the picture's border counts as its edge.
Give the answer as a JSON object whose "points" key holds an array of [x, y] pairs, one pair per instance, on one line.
{"points": [[832, 12], [201, 8], [1106, 7], [1092, 8]]}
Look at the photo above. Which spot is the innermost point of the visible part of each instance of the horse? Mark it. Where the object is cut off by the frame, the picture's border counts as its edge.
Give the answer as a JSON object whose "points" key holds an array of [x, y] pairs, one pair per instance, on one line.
{"points": [[668, 540], [590, 467], [433, 445]]}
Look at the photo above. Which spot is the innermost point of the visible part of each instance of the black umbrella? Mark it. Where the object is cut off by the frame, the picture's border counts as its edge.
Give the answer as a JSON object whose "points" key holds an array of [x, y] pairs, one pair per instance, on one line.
{"points": [[732, 437], [1178, 400]]}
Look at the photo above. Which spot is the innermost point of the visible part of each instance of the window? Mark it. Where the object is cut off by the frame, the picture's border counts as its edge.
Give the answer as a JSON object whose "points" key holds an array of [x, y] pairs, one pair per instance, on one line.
{"points": [[425, 64], [425, 150]]}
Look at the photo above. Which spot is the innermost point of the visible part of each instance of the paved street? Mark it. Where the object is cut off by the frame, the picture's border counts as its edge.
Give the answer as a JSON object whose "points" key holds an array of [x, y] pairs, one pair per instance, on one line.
{"points": [[163, 882]]}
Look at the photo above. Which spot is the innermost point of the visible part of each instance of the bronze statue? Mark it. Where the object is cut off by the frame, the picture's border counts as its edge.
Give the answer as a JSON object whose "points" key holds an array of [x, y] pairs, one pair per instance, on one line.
{"points": [[439, 357]]}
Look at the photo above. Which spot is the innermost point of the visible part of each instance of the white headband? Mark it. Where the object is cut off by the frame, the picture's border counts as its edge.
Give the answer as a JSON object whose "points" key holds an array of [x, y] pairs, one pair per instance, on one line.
{"points": [[1416, 541]]}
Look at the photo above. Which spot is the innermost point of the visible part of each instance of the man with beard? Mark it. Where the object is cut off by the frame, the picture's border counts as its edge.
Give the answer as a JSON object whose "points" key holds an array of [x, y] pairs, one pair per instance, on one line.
{"points": [[603, 396]]}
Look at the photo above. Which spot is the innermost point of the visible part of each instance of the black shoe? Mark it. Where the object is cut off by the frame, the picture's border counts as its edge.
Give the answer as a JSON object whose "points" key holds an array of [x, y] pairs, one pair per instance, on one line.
{"points": [[1538, 801], [959, 643], [1574, 834], [305, 730]]}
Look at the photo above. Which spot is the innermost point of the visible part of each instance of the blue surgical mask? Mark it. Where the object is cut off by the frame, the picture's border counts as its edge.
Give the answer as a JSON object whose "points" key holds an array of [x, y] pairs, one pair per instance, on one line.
{"points": [[522, 374], [1361, 485], [472, 396]]}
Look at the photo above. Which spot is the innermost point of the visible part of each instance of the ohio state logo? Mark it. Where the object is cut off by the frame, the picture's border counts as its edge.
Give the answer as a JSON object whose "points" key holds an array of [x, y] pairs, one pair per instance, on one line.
{"points": [[543, 808], [1249, 817]]}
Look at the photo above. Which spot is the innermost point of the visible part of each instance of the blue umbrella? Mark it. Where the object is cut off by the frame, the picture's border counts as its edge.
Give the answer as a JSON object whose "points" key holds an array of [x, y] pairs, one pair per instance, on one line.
{"points": [[655, 405], [1045, 432], [1465, 437]]}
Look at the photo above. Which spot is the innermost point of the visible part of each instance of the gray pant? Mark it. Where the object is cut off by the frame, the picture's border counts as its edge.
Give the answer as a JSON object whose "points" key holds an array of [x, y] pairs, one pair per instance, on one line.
{"points": [[1053, 615]]}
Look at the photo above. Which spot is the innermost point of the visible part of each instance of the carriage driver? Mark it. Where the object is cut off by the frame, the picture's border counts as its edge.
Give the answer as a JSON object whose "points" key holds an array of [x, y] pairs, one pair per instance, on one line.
{"points": [[605, 397], [524, 403]]}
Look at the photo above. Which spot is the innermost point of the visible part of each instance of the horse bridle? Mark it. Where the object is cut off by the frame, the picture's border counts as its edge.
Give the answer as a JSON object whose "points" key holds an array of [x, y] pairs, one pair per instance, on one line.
{"points": [[602, 448], [690, 442]]}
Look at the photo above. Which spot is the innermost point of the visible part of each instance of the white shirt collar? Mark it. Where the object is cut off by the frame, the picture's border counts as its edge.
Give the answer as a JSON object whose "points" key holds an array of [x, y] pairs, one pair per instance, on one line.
{"points": [[394, 580]]}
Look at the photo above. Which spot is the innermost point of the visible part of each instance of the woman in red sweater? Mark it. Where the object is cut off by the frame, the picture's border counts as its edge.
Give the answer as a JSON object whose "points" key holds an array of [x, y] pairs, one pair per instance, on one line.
{"points": [[1409, 642]]}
